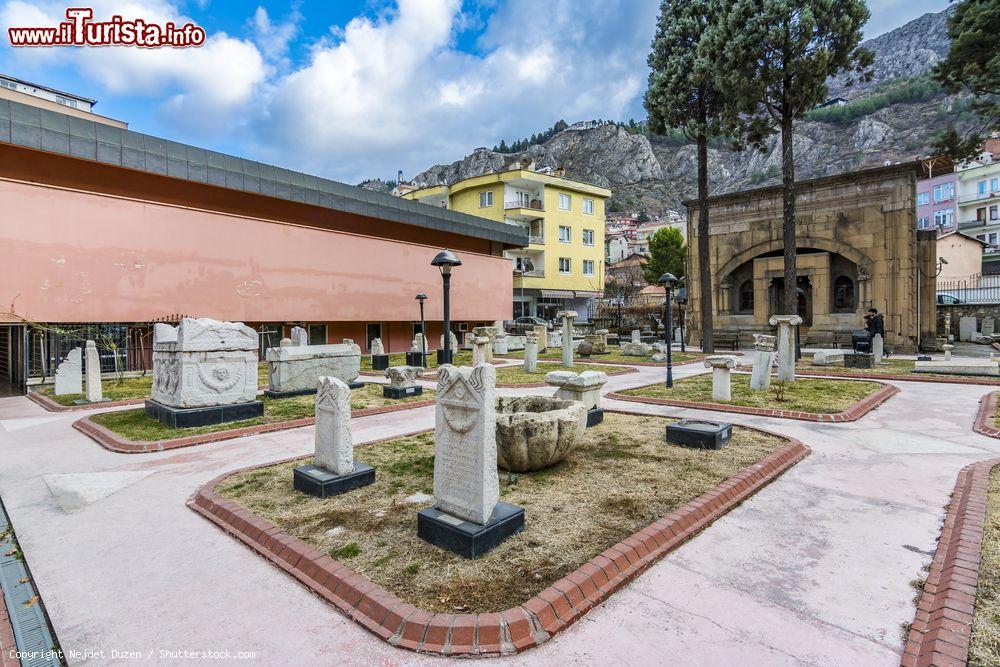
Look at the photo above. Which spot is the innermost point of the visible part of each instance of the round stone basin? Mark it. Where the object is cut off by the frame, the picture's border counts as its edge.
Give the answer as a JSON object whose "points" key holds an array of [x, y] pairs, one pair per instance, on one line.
{"points": [[535, 432]]}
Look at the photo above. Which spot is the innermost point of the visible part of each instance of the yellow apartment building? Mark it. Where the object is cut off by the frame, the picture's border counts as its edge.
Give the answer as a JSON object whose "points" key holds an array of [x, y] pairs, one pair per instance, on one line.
{"points": [[563, 266]]}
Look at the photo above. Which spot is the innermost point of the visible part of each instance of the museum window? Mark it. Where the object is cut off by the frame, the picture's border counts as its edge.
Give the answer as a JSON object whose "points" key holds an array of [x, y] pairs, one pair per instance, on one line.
{"points": [[317, 334], [843, 294], [746, 296]]}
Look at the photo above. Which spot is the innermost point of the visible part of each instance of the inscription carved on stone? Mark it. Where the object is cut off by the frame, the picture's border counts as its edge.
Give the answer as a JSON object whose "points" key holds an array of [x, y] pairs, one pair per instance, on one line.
{"points": [[334, 440]]}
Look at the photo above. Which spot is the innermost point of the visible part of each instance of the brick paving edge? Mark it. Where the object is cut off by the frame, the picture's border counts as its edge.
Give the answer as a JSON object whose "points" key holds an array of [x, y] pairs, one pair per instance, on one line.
{"points": [[985, 423], [902, 378], [853, 413], [7, 643], [115, 443], [52, 406], [942, 626], [489, 634]]}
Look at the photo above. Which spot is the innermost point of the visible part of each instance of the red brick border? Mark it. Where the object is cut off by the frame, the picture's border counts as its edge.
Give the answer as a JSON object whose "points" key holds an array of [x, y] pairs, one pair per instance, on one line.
{"points": [[489, 634], [902, 378], [985, 419], [853, 413], [7, 643], [113, 442], [942, 627], [52, 406]]}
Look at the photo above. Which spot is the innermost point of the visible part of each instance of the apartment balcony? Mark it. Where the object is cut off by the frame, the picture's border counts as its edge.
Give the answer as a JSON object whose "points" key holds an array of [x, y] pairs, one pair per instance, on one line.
{"points": [[533, 204], [536, 239], [978, 224], [991, 197]]}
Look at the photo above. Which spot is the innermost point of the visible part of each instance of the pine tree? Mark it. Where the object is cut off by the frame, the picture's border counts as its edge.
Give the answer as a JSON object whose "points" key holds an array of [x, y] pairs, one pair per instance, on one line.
{"points": [[774, 59], [666, 254]]}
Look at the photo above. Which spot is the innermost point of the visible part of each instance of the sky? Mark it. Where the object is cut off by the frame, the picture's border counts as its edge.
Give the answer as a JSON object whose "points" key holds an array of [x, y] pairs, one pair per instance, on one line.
{"points": [[355, 90]]}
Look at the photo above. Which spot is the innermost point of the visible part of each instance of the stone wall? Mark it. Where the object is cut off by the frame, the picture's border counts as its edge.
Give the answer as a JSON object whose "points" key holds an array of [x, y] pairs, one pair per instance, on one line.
{"points": [[958, 311]]}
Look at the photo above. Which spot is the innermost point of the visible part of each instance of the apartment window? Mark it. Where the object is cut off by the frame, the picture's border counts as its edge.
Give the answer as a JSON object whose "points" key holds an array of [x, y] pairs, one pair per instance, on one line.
{"points": [[994, 212], [565, 235], [588, 237], [485, 199], [994, 184], [981, 187], [923, 198], [992, 239], [981, 237], [944, 192], [564, 265], [564, 202], [924, 222], [588, 267], [943, 218], [588, 206], [317, 334]]}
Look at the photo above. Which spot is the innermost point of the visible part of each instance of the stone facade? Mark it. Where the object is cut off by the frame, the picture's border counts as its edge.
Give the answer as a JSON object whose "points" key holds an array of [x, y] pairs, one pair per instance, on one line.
{"points": [[291, 368], [204, 362], [858, 247]]}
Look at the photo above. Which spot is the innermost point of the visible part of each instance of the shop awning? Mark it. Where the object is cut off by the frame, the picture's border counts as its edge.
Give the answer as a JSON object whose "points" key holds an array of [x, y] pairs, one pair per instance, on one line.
{"points": [[568, 294]]}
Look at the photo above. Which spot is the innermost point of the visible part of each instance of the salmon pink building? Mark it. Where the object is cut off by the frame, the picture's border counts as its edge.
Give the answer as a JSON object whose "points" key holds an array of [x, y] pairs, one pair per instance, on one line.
{"points": [[114, 229]]}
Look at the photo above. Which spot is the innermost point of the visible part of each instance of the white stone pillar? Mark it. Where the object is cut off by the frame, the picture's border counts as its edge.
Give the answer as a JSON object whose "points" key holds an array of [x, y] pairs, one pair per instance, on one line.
{"points": [[481, 350], [567, 317], [721, 365], [786, 345], [94, 393], [334, 441], [878, 347], [947, 351], [763, 359], [531, 353]]}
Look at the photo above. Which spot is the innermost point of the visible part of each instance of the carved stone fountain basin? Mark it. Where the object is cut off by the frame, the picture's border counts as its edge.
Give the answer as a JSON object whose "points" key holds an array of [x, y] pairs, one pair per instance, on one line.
{"points": [[535, 432]]}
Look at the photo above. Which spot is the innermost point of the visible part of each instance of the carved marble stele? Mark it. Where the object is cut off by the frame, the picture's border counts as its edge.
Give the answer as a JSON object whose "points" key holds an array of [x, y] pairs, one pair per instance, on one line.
{"points": [[418, 342], [295, 368], [542, 333], [204, 362], [94, 393], [402, 377], [531, 353], [334, 441], [69, 374], [299, 337], [377, 348], [466, 484], [453, 339]]}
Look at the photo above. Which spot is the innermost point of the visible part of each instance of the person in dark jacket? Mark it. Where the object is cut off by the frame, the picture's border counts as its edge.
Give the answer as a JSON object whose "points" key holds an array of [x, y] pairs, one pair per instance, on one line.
{"points": [[875, 323]]}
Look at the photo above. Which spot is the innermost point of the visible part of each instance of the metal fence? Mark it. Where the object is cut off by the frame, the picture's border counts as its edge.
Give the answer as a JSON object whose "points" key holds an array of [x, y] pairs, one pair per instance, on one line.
{"points": [[974, 289], [120, 347]]}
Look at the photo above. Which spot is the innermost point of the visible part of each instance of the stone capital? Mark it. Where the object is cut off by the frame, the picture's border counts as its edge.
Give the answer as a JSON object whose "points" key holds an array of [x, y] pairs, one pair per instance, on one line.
{"points": [[947, 348], [566, 314], [722, 361], [764, 342], [786, 320]]}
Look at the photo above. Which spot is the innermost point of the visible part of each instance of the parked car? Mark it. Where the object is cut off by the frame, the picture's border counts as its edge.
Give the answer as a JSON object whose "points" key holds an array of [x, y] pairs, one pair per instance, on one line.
{"points": [[948, 299], [522, 324]]}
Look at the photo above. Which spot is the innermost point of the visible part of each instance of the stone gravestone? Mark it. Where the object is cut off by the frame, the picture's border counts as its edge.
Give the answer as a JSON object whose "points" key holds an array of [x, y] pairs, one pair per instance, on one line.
{"points": [[94, 391], [584, 387], [402, 381], [531, 353], [763, 360], [786, 345], [989, 326], [300, 337], [334, 469], [500, 343], [481, 350], [721, 365], [204, 372], [69, 374], [294, 370], [966, 328], [542, 334], [878, 348], [636, 336], [567, 317], [467, 517]]}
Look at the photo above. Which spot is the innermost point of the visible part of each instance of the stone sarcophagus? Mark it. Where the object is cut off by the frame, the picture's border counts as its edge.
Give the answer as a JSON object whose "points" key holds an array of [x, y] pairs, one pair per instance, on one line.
{"points": [[204, 362], [296, 369]]}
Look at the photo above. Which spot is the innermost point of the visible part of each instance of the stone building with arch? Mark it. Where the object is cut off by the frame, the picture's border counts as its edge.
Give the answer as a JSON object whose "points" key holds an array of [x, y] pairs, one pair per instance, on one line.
{"points": [[858, 247]]}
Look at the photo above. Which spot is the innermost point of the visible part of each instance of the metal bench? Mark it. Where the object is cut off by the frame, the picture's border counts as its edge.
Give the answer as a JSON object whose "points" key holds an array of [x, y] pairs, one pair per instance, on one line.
{"points": [[730, 339]]}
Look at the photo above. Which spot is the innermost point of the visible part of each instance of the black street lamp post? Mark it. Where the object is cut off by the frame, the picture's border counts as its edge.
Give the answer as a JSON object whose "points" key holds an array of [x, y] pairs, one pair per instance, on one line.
{"points": [[423, 330], [798, 339], [668, 281], [445, 260]]}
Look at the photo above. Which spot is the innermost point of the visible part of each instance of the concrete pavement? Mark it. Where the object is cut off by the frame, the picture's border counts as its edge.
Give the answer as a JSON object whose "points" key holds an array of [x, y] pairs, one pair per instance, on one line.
{"points": [[815, 569]]}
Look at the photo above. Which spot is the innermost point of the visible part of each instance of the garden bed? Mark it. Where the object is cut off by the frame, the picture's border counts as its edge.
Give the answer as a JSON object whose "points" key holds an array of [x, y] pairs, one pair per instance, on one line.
{"points": [[891, 369], [811, 399], [133, 431], [615, 357], [593, 524]]}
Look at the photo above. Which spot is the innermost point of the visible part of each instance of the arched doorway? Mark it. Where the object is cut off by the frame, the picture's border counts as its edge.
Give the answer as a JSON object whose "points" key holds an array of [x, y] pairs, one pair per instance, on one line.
{"points": [[776, 298]]}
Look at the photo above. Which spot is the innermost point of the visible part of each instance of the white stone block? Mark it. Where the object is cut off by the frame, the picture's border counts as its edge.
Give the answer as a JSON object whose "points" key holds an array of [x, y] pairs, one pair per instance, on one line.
{"points": [[298, 368], [828, 358], [966, 328], [760, 376], [466, 483], [334, 440], [69, 374], [300, 336], [584, 387]]}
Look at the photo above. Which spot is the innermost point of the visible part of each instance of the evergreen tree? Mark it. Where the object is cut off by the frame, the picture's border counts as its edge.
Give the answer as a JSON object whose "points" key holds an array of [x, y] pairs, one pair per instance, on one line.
{"points": [[683, 95], [666, 253], [972, 65], [774, 58]]}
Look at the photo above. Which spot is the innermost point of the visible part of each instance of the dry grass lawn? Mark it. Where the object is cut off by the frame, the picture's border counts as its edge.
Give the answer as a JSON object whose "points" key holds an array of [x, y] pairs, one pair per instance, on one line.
{"points": [[984, 648], [623, 476], [460, 358], [137, 425], [805, 394], [887, 367]]}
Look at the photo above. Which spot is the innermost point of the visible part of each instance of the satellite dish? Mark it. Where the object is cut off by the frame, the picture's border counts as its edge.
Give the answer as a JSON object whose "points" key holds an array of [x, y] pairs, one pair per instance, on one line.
{"points": [[527, 266]]}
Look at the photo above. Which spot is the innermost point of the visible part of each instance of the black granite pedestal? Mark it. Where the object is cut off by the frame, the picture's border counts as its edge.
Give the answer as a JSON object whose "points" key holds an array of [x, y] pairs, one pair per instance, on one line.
{"points": [[465, 538], [699, 433], [322, 483], [857, 360], [401, 392], [380, 362], [595, 416], [415, 359], [357, 384], [445, 358], [206, 416], [288, 394]]}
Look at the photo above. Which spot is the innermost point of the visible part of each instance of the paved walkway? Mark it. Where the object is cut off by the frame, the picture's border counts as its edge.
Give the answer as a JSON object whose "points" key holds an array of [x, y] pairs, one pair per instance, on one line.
{"points": [[815, 569]]}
